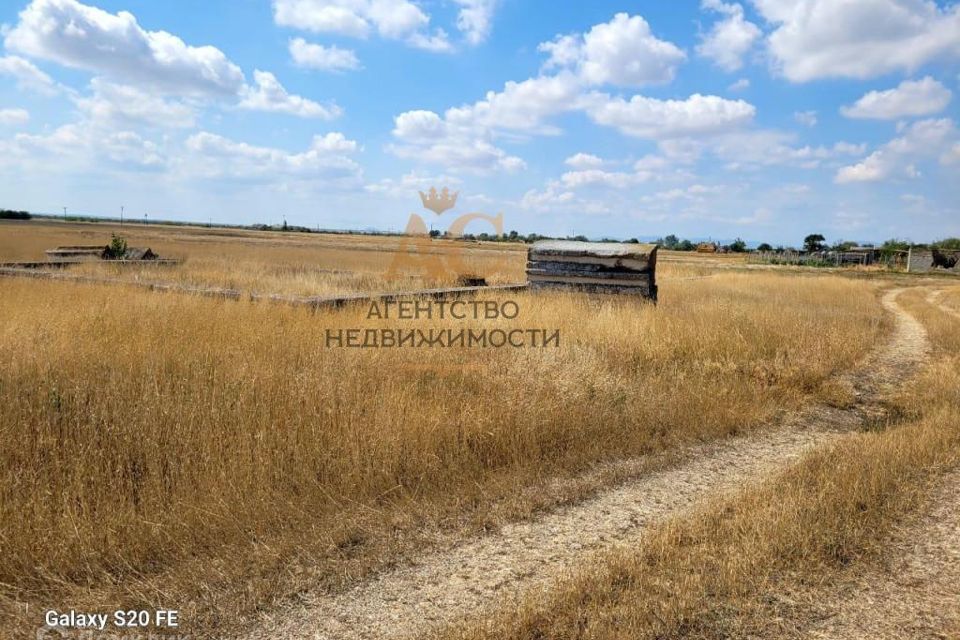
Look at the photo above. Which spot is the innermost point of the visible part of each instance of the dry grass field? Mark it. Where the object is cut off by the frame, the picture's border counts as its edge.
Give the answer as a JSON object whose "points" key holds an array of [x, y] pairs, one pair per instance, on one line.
{"points": [[220, 455], [296, 264], [217, 455], [268, 261], [774, 560]]}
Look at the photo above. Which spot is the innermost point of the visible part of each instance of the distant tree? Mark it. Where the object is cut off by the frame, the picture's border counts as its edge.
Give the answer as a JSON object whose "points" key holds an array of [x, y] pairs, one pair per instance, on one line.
{"points": [[813, 242], [686, 245], [6, 214], [893, 245], [738, 246], [843, 245], [434, 233], [633, 241], [117, 248], [947, 244], [763, 246], [670, 242]]}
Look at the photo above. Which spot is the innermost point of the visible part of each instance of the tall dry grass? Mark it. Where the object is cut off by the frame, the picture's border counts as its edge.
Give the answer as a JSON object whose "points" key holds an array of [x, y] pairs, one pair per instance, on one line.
{"points": [[272, 262], [298, 264], [215, 455], [754, 565]]}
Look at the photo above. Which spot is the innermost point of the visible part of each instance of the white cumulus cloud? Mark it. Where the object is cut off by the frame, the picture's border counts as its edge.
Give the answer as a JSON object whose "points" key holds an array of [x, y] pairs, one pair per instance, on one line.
{"points": [[426, 137], [730, 39], [391, 19], [14, 117], [84, 37], [621, 52], [911, 98], [599, 177], [844, 39], [652, 118], [122, 106], [475, 19], [521, 106], [323, 58], [327, 159], [741, 84], [920, 140], [117, 48], [27, 75], [77, 146], [583, 161], [269, 95]]}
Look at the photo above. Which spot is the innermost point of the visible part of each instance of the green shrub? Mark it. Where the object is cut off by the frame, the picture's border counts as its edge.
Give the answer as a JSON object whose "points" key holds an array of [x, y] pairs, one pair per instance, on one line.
{"points": [[117, 248]]}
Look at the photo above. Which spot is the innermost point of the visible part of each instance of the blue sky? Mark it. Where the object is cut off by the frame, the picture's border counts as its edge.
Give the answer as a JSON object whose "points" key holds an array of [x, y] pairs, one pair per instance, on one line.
{"points": [[763, 119]]}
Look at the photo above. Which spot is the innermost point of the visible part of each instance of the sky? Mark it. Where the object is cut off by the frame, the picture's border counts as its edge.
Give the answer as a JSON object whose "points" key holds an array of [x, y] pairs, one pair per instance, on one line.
{"points": [[762, 119]]}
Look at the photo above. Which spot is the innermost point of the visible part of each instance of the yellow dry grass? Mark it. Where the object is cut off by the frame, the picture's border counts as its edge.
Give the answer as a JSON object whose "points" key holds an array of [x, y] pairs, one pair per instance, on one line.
{"points": [[273, 262], [298, 264], [161, 448], [753, 565]]}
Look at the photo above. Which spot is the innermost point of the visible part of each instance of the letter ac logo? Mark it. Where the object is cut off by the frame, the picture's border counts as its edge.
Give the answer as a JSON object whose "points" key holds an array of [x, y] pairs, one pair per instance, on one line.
{"points": [[417, 253]]}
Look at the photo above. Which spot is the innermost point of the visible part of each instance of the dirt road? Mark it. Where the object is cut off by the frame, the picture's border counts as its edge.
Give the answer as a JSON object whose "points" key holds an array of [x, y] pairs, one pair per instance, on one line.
{"points": [[916, 592], [501, 566]]}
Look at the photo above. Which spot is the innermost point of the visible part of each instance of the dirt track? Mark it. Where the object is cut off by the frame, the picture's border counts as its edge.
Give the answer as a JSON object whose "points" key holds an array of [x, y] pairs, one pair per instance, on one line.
{"points": [[501, 566], [934, 299], [916, 592]]}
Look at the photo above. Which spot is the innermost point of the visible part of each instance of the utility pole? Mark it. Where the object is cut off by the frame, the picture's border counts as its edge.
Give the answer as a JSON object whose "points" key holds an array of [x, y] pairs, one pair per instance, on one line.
{"points": [[64, 214], [121, 215]]}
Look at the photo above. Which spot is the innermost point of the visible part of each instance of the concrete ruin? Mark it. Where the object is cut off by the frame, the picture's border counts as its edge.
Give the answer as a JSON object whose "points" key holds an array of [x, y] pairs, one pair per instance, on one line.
{"points": [[76, 253], [91, 252], [593, 267]]}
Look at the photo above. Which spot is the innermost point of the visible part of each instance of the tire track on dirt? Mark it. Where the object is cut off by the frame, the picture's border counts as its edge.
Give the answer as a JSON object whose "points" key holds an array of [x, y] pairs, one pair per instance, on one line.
{"points": [[498, 568], [934, 299], [915, 593]]}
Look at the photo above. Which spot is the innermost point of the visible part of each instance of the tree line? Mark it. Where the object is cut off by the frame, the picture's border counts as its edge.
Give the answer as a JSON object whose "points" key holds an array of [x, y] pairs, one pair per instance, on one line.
{"points": [[813, 243]]}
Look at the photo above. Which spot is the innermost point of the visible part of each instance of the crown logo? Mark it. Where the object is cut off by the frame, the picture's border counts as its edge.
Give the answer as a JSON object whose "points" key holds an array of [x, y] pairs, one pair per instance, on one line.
{"points": [[438, 202]]}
